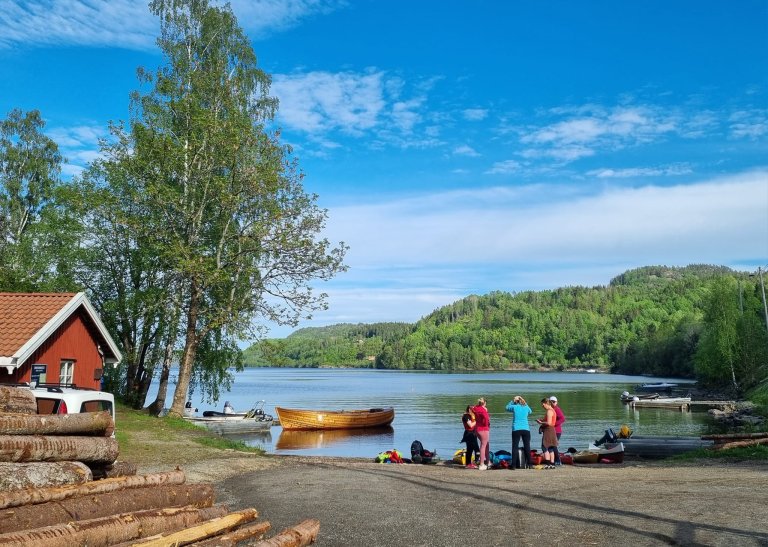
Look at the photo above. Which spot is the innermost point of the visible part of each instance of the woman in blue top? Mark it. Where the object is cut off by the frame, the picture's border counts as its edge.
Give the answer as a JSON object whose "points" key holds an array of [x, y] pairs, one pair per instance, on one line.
{"points": [[520, 430]]}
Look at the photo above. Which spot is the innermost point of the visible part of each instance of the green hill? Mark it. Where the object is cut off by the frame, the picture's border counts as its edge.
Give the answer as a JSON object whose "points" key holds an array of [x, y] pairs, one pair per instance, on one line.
{"points": [[648, 320]]}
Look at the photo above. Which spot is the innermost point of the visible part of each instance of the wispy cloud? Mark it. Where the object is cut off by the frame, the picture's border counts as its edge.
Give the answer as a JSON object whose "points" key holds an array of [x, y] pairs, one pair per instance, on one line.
{"points": [[749, 124], [475, 114], [465, 150], [504, 167], [632, 172], [79, 145], [587, 128], [129, 23]]}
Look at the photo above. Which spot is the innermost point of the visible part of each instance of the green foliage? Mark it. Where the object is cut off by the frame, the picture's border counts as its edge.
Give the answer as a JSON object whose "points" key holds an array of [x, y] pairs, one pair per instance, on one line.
{"points": [[653, 320], [32, 228], [336, 345]]}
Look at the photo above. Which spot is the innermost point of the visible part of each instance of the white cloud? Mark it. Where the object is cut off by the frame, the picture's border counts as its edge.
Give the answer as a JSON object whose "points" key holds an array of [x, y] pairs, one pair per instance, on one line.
{"points": [[504, 167], [319, 102], [670, 170], [465, 150], [589, 128], [749, 124], [129, 23], [475, 114], [438, 248]]}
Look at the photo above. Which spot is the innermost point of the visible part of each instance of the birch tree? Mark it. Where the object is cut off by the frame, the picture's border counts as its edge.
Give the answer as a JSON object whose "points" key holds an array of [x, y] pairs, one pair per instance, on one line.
{"points": [[230, 214]]}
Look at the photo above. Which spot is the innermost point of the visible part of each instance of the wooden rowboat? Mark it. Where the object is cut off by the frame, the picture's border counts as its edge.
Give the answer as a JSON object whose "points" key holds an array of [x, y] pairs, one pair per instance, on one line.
{"points": [[291, 418]]}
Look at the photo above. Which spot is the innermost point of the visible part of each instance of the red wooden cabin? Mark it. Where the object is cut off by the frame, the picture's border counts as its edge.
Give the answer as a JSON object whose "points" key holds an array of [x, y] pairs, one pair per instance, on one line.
{"points": [[53, 338]]}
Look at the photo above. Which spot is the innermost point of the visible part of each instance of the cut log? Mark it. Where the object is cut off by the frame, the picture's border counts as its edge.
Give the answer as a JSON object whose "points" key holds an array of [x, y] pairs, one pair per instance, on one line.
{"points": [[43, 495], [84, 423], [18, 476], [49, 448], [103, 505], [17, 400], [252, 532], [117, 469], [201, 531], [113, 529], [300, 535], [737, 444], [724, 437]]}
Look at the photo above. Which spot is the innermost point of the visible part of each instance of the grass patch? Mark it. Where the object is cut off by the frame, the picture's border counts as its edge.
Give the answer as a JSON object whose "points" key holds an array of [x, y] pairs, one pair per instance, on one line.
{"points": [[147, 439], [741, 453]]}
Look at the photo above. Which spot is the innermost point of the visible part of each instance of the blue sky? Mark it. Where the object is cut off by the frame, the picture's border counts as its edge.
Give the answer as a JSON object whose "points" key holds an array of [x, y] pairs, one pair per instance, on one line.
{"points": [[463, 147]]}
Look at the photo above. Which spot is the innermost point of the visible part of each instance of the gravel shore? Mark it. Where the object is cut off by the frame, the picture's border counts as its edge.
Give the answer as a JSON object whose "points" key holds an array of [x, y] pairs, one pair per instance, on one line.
{"points": [[363, 503]]}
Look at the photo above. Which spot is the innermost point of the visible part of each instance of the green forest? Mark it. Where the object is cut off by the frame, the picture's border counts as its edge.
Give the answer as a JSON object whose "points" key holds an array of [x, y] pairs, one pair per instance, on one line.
{"points": [[700, 321]]}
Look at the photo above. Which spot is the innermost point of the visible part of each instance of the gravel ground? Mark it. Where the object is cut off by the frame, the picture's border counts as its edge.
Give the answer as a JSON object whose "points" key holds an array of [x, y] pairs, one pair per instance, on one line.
{"points": [[364, 503]]}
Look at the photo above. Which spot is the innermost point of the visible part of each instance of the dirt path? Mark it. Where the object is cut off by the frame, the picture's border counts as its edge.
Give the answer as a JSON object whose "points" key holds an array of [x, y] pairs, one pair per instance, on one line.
{"points": [[361, 503]]}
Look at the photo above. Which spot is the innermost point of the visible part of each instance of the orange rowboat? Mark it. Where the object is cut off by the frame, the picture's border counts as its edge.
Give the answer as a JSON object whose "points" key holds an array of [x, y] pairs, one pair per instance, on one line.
{"points": [[291, 418]]}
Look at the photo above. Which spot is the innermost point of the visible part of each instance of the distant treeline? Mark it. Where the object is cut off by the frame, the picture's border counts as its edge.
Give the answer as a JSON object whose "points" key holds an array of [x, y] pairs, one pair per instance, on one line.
{"points": [[697, 321]]}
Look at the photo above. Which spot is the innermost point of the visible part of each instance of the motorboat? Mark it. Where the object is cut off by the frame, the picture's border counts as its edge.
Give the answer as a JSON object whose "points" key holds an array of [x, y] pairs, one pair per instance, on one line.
{"points": [[223, 423]]}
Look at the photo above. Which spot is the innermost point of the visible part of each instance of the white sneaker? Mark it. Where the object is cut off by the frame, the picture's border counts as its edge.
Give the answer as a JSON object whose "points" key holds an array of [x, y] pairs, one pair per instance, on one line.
{"points": [[483, 467]]}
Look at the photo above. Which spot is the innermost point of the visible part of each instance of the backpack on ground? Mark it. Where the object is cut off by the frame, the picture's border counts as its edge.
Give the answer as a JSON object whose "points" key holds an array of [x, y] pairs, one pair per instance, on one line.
{"points": [[420, 455]]}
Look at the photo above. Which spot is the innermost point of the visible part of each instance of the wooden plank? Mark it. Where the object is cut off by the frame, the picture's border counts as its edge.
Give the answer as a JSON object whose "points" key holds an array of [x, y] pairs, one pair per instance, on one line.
{"points": [[300, 535], [204, 530]]}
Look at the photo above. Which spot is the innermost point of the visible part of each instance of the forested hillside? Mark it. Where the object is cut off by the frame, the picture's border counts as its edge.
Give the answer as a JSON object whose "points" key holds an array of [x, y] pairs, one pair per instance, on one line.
{"points": [[652, 320]]}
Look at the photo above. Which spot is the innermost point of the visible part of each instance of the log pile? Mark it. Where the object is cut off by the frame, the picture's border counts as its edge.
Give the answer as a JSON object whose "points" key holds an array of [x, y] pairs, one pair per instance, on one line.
{"points": [[49, 498], [736, 440]]}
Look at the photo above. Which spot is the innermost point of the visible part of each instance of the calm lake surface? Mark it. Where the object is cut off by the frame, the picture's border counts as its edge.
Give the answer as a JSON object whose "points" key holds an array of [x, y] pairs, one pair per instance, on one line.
{"points": [[428, 407]]}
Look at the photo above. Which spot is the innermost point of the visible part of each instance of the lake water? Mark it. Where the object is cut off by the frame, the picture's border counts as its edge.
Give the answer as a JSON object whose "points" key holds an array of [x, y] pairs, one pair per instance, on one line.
{"points": [[428, 407]]}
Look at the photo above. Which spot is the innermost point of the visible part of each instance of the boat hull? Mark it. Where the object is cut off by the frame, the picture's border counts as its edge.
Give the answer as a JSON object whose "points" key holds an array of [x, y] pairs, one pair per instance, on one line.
{"points": [[231, 425], [661, 447], [612, 453], [297, 419]]}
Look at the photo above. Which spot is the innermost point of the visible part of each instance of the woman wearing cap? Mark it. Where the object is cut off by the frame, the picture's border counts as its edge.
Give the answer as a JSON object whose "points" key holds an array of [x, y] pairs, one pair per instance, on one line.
{"points": [[520, 430], [559, 421], [483, 430], [548, 435]]}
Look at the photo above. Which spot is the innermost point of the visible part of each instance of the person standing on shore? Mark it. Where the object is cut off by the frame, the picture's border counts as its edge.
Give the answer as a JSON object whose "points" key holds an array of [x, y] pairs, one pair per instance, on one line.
{"points": [[470, 437], [483, 429], [548, 435], [559, 421], [520, 430]]}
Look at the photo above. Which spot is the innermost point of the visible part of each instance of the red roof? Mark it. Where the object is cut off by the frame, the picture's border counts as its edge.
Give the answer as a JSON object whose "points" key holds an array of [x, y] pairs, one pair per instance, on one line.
{"points": [[22, 315]]}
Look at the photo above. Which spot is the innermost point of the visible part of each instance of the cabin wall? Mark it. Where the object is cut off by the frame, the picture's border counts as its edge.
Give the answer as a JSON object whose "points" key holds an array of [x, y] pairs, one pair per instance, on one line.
{"points": [[73, 341]]}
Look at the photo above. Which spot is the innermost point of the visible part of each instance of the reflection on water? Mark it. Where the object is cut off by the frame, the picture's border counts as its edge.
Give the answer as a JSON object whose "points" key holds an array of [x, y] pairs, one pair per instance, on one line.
{"points": [[428, 407], [258, 438], [301, 440]]}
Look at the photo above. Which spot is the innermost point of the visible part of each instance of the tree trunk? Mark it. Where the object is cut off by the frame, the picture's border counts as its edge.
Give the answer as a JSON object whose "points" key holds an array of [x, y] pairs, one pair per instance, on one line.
{"points": [[162, 390], [18, 476], [42, 495], [737, 444], [85, 423], [188, 357], [252, 532], [113, 529], [103, 505], [17, 400], [202, 531], [37, 448], [300, 535]]}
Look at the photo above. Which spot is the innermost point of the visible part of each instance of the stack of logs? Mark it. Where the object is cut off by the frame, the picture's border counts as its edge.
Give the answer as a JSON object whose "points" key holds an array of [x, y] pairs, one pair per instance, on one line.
{"points": [[48, 496], [736, 440]]}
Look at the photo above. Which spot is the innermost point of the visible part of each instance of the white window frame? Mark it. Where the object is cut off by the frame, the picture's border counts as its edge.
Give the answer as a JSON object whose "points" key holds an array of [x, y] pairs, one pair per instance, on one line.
{"points": [[66, 371]]}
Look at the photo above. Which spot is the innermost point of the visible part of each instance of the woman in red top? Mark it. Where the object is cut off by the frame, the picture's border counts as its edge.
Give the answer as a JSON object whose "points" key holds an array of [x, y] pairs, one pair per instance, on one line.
{"points": [[483, 430]]}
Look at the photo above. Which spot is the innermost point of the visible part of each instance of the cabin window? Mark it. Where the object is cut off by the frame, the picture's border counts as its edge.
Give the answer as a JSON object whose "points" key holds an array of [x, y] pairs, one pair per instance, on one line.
{"points": [[66, 372]]}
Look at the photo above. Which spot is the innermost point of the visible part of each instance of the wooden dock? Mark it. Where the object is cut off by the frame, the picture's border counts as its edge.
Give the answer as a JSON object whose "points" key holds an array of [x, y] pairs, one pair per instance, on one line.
{"points": [[682, 404]]}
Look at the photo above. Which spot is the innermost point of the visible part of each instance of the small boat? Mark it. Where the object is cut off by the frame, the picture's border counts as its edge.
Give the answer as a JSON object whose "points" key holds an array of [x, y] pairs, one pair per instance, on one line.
{"points": [[660, 386], [609, 453], [291, 418], [681, 403], [661, 447], [627, 397], [591, 371], [227, 423]]}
